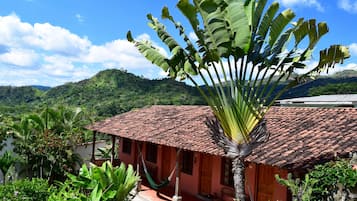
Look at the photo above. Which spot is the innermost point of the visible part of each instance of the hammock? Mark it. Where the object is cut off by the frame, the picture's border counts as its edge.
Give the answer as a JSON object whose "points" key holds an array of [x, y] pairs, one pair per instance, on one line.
{"points": [[151, 181]]}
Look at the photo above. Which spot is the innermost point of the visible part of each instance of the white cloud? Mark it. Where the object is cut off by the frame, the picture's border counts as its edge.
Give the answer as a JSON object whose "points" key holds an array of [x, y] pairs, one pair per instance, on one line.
{"points": [[19, 57], [79, 17], [121, 53], [57, 40], [353, 49], [348, 5], [302, 3], [14, 33], [45, 54], [57, 66]]}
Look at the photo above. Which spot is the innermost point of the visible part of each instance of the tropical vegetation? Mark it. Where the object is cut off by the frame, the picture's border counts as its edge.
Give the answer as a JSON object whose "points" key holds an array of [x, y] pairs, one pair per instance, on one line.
{"points": [[44, 153], [242, 51], [25, 189], [108, 93], [46, 141], [327, 181], [7, 161], [330, 89], [104, 98], [105, 183]]}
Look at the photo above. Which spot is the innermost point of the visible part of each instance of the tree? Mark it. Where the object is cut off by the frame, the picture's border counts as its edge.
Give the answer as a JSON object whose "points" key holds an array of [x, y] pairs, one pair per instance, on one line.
{"points": [[24, 143], [48, 140], [6, 161], [5, 123], [242, 53]]}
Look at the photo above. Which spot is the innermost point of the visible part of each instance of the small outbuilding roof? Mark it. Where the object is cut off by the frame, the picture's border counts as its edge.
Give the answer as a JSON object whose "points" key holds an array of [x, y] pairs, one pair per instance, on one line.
{"points": [[327, 100], [300, 137]]}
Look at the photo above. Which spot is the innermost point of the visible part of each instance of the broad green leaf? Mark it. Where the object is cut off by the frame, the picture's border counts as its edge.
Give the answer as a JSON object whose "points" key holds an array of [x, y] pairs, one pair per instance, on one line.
{"points": [[278, 25], [259, 7], [239, 24], [267, 20], [96, 194]]}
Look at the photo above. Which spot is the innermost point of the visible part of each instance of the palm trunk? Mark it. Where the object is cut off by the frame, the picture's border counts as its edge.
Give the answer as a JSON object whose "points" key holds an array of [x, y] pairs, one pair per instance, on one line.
{"points": [[238, 178]]}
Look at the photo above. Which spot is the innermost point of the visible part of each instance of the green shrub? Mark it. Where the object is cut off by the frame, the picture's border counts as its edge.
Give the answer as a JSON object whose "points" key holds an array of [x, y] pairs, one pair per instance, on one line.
{"points": [[29, 190], [329, 175], [324, 182], [66, 192], [105, 183]]}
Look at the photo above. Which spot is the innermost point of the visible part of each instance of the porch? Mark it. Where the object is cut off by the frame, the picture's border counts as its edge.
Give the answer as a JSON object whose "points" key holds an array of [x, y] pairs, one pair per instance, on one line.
{"points": [[164, 194]]}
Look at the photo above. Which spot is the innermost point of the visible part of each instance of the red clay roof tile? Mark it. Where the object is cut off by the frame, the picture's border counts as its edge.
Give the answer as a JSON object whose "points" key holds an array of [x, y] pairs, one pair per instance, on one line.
{"points": [[300, 137]]}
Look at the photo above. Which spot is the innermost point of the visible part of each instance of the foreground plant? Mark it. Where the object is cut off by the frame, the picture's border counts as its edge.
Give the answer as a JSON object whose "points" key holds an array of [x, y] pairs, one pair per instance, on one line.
{"points": [[105, 183], [25, 189], [242, 53]]}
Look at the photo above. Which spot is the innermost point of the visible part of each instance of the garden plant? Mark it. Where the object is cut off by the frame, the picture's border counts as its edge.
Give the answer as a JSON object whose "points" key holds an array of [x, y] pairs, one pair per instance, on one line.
{"points": [[105, 183]]}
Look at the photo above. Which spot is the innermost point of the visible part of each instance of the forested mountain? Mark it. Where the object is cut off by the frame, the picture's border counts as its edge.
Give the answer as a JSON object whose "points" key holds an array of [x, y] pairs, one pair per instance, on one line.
{"points": [[115, 91], [107, 93]]}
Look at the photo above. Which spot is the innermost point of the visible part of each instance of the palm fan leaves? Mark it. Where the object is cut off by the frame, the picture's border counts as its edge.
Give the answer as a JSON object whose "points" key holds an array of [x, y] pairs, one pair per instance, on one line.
{"points": [[243, 52]]}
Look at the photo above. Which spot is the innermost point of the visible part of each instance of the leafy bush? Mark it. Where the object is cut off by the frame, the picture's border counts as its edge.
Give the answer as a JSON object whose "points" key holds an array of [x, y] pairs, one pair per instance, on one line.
{"points": [[30, 190], [46, 141], [323, 182], [331, 174], [105, 183], [66, 192]]}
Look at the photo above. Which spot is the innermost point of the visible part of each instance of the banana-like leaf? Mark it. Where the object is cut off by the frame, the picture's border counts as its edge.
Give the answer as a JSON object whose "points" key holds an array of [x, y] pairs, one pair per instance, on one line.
{"points": [[150, 53], [329, 57], [267, 20], [239, 24], [217, 37], [278, 25], [162, 33], [258, 10]]}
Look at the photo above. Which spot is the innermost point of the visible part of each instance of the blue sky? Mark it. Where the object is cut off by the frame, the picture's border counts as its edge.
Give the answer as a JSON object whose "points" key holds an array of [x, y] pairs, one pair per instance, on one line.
{"points": [[44, 42]]}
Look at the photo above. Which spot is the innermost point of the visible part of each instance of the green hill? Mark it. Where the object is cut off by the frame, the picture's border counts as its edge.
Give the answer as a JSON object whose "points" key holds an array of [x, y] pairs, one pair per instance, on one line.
{"points": [[115, 91], [107, 93]]}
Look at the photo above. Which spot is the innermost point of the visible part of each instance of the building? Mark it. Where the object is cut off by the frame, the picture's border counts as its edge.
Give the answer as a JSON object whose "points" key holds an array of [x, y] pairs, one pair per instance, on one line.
{"points": [[338, 100], [300, 137]]}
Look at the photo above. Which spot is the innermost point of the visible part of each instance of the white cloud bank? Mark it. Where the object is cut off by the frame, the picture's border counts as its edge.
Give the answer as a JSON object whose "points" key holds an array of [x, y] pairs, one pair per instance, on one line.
{"points": [[303, 3], [353, 49], [51, 55], [348, 5]]}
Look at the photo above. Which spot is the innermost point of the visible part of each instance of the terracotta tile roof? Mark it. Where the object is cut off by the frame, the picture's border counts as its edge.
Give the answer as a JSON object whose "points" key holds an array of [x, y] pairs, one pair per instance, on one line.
{"points": [[300, 137]]}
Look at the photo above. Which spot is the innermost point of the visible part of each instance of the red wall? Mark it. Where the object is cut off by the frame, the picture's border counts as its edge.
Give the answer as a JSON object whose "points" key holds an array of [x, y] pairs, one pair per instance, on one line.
{"points": [[190, 183], [126, 158]]}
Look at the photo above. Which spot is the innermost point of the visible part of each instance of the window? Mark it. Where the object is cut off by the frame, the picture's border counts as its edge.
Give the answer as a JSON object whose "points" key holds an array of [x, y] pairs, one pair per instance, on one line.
{"points": [[187, 162], [126, 145], [226, 172], [151, 152]]}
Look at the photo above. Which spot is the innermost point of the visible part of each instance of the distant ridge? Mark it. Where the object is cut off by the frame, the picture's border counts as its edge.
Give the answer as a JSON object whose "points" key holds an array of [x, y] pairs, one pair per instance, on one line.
{"points": [[40, 87], [114, 91]]}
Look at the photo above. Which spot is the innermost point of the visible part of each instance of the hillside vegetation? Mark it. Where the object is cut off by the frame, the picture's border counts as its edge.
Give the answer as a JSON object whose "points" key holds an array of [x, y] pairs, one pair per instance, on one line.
{"points": [[108, 93], [114, 91]]}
